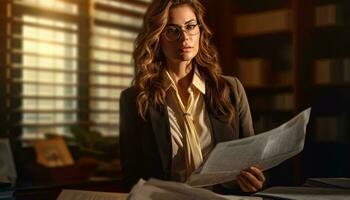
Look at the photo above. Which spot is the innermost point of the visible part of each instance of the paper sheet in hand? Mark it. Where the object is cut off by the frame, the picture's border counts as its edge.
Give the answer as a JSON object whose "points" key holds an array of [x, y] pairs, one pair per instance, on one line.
{"points": [[265, 150]]}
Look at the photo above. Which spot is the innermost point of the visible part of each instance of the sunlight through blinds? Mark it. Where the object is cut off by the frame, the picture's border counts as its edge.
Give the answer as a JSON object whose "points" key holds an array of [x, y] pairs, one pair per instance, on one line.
{"points": [[67, 62], [115, 27]]}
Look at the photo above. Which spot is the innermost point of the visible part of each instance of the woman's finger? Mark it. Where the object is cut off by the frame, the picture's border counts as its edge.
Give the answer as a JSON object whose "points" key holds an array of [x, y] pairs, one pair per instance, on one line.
{"points": [[252, 180], [258, 173], [241, 184], [247, 182]]}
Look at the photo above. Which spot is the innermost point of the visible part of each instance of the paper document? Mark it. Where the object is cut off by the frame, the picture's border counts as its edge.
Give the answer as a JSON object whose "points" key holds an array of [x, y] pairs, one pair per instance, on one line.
{"points": [[155, 189], [305, 193], [90, 195], [266, 150], [329, 182]]}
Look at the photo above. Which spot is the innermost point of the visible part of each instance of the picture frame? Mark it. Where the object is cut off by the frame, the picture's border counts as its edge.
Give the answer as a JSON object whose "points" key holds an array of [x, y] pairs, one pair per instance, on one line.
{"points": [[8, 172], [53, 152]]}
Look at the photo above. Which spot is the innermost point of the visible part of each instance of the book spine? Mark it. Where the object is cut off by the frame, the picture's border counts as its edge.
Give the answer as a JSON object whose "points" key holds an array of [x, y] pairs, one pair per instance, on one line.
{"points": [[263, 22], [327, 15], [253, 72]]}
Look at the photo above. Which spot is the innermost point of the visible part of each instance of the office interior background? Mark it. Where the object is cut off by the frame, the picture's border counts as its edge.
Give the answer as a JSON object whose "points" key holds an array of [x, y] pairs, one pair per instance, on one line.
{"points": [[63, 64]]}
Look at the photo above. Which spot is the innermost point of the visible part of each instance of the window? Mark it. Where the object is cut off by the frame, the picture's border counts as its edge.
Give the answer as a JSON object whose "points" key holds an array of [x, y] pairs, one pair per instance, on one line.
{"points": [[67, 63], [114, 29]]}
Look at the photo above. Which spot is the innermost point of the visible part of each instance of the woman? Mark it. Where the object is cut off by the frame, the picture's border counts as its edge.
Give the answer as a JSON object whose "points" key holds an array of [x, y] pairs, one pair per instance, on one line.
{"points": [[180, 106]]}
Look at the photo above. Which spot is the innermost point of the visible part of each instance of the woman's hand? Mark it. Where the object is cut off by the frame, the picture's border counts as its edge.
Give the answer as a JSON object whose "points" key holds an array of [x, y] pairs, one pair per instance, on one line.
{"points": [[251, 179]]}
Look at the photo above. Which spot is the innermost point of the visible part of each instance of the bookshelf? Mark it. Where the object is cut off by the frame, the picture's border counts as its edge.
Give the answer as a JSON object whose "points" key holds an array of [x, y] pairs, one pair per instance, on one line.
{"points": [[326, 147], [257, 47], [291, 55]]}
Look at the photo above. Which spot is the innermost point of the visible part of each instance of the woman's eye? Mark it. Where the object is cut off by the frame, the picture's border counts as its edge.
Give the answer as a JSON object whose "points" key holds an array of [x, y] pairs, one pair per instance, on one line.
{"points": [[190, 27], [172, 30]]}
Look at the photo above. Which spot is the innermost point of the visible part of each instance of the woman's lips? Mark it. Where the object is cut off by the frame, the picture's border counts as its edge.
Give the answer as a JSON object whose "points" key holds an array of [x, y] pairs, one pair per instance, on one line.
{"points": [[185, 49]]}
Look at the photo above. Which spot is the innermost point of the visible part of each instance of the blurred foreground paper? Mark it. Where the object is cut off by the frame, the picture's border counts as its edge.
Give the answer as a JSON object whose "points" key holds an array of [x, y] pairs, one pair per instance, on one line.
{"points": [[158, 190], [90, 195], [265, 150], [7, 166]]}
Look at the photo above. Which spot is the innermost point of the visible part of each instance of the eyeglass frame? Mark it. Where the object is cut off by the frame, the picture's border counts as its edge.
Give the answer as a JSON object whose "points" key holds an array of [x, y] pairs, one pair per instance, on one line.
{"points": [[183, 30]]}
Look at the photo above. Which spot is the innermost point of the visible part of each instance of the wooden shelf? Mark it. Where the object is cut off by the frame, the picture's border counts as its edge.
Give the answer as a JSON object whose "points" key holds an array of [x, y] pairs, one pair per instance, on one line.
{"points": [[331, 41], [251, 6], [264, 90], [281, 35], [275, 47], [280, 113], [325, 2], [339, 86], [320, 91]]}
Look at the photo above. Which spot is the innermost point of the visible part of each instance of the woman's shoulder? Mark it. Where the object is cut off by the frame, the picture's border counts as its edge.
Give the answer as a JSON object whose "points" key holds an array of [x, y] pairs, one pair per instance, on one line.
{"points": [[234, 83], [129, 90], [129, 93], [231, 79]]}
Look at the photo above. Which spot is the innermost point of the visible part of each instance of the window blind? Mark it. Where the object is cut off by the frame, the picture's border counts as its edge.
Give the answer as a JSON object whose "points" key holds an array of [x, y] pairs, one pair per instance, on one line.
{"points": [[115, 26], [66, 63]]}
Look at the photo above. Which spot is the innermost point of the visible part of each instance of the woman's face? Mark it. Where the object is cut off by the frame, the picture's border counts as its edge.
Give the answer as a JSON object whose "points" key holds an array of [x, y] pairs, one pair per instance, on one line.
{"points": [[182, 22]]}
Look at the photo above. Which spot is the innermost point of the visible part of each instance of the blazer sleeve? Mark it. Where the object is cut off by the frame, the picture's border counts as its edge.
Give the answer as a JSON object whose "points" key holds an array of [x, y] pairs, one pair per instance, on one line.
{"points": [[129, 142], [242, 107], [240, 101]]}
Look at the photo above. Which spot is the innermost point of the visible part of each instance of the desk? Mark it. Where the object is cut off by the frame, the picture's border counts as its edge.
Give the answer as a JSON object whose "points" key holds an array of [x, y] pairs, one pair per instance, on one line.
{"points": [[50, 191]]}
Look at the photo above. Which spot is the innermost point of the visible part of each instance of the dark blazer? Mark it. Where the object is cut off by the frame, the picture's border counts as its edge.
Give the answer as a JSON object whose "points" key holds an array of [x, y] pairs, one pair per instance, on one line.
{"points": [[145, 145]]}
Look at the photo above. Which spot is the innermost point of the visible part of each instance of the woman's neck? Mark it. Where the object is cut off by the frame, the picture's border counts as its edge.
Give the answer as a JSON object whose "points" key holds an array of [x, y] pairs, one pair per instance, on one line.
{"points": [[181, 73]]}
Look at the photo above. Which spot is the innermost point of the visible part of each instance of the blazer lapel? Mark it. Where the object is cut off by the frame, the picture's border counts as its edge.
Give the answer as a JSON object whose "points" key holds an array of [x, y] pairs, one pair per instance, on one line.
{"points": [[161, 129], [222, 131]]}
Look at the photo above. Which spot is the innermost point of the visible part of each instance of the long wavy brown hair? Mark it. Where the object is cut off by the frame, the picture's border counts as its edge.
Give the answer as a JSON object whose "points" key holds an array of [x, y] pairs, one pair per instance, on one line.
{"points": [[149, 60]]}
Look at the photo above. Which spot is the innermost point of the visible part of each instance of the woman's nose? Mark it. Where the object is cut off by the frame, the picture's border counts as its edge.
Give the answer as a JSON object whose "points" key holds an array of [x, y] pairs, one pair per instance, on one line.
{"points": [[184, 36]]}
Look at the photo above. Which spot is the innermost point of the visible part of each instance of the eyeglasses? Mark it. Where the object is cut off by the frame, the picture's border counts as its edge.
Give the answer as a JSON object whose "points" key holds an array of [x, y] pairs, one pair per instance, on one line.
{"points": [[173, 32]]}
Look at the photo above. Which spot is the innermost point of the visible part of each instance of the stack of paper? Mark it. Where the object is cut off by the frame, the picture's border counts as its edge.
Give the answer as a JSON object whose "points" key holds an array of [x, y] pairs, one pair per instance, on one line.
{"points": [[305, 193], [329, 182], [90, 195], [153, 190], [158, 190], [6, 191]]}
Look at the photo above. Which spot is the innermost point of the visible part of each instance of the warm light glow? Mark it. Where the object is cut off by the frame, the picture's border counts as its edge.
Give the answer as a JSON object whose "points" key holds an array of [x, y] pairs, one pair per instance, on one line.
{"points": [[55, 5], [45, 50]]}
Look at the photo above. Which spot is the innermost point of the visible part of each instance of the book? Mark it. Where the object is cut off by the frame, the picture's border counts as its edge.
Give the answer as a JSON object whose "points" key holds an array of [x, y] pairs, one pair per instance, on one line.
{"points": [[277, 102], [322, 71], [331, 129], [330, 71], [263, 22], [253, 72], [328, 15]]}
